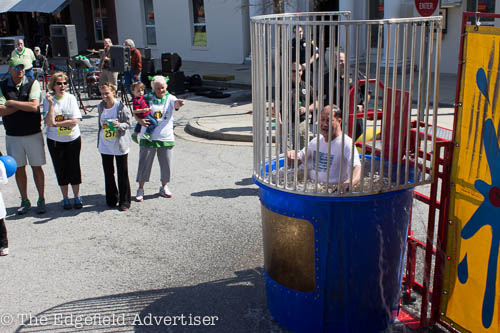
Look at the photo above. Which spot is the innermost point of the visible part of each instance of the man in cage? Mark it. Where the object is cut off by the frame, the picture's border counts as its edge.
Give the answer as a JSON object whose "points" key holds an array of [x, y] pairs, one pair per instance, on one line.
{"points": [[302, 45], [329, 152], [303, 110], [359, 99]]}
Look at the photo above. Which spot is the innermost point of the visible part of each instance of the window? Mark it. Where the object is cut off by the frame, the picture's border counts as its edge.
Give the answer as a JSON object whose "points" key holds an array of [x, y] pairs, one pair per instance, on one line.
{"points": [[149, 19], [482, 6], [376, 12], [100, 16], [199, 25]]}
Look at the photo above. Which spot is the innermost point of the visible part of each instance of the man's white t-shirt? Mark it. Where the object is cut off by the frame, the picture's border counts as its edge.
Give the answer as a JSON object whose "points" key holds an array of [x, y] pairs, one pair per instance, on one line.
{"points": [[64, 108], [335, 157]]}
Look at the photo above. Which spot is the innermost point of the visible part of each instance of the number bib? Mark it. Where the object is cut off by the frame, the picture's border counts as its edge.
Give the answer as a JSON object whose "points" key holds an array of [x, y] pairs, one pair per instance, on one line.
{"points": [[63, 131], [157, 115], [109, 134]]}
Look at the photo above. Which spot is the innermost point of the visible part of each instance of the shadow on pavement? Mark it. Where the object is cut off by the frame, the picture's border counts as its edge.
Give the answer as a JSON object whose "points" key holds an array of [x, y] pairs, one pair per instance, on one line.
{"points": [[227, 193], [245, 182], [94, 202], [227, 305]]}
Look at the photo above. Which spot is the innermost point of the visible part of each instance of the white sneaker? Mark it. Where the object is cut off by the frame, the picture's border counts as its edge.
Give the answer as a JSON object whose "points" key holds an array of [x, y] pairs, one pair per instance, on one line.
{"points": [[4, 251], [140, 195], [165, 192]]}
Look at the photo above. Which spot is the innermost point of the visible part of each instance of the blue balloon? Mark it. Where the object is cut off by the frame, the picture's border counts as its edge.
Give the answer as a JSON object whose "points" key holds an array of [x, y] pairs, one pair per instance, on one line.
{"points": [[482, 83], [10, 164]]}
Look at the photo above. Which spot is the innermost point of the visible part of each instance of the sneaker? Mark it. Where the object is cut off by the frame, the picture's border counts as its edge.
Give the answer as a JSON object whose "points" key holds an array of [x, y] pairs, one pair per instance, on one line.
{"points": [[140, 195], [66, 204], [147, 136], [40, 206], [77, 203], [165, 192], [24, 208], [4, 251], [122, 208], [134, 137]]}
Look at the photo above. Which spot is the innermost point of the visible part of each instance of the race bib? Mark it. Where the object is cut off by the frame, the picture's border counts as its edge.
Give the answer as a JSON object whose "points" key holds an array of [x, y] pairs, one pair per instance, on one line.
{"points": [[63, 131], [109, 134], [157, 115]]}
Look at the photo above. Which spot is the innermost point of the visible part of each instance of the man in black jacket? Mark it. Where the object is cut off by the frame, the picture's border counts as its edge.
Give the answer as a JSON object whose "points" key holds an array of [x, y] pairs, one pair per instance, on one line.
{"points": [[359, 100], [20, 110], [40, 64]]}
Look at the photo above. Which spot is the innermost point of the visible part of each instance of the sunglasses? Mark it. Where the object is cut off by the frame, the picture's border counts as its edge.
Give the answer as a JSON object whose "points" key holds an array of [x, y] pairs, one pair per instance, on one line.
{"points": [[60, 83], [19, 67]]}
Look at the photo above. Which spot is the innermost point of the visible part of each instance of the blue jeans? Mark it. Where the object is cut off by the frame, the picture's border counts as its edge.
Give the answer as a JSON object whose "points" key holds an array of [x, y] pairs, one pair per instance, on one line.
{"points": [[129, 77], [152, 124]]}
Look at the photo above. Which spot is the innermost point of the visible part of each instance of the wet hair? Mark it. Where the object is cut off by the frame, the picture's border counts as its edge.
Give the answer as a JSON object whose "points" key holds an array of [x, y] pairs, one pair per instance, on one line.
{"points": [[56, 77], [337, 113]]}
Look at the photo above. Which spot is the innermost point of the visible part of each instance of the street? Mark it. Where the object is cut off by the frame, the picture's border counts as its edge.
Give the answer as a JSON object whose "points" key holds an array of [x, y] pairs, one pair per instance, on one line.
{"points": [[191, 262]]}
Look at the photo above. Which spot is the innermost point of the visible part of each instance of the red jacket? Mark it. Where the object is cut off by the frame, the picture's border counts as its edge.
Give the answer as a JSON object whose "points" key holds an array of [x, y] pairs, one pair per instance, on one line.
{"points": [[136, 60]]}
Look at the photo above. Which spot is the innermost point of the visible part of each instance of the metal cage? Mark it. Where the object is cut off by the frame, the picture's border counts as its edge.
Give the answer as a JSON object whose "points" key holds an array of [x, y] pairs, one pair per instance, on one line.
{"points": [[384, 77]]}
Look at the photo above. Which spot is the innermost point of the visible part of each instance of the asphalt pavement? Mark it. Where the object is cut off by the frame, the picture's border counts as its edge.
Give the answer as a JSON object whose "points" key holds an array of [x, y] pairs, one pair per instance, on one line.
{"points": [[194, 261]]}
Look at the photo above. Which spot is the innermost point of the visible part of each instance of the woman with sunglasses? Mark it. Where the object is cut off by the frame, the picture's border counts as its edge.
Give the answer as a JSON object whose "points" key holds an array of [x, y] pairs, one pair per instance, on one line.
{"points": [[61, 113]]}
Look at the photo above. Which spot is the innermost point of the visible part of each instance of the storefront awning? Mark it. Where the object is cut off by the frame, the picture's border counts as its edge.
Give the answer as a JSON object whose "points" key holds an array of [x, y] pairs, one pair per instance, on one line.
{"points": [[6, 5], [39, 6]]}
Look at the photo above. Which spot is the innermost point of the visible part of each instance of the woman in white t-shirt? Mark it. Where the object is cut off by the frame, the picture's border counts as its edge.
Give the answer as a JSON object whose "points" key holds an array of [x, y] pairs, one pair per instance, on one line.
{"points": [[162, 139], [113, 142], [62, 115]]}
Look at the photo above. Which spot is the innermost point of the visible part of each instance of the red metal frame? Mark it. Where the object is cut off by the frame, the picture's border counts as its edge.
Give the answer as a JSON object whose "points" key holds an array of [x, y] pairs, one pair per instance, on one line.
{"points": [[444, 148], [443, 205]]}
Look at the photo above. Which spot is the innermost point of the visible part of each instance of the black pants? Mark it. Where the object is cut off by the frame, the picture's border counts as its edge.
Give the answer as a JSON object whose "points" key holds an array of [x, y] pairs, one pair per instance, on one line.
{"points": [[120, 195], [4, 242], [66, 161]]}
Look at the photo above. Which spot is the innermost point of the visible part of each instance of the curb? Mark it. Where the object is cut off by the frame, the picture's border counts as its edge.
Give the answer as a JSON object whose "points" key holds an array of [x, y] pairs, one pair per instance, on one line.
{"points": [[226, 84], [197, 130]]}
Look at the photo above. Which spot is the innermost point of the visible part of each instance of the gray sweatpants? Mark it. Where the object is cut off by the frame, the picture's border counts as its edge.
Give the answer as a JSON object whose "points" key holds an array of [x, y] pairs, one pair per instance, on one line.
{"points": [[146, 157]]}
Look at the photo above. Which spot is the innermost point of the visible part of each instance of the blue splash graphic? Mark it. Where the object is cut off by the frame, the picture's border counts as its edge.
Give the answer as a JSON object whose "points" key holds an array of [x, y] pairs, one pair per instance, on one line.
{"points": [[484, 216], [482, 83], [463, 270]]}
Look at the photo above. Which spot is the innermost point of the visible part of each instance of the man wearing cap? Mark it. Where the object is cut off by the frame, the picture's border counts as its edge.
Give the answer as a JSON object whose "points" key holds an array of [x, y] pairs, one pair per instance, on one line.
{"points": [[25, 55], [40, 64], [20, 111]]}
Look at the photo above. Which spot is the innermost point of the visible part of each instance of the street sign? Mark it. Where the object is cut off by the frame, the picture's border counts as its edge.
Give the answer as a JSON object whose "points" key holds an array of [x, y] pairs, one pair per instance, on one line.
{"points": [[426, 7]]}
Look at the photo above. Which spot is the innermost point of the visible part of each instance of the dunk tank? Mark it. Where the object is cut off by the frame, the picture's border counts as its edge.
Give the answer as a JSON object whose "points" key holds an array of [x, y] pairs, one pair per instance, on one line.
{"points": [[335, 247]]}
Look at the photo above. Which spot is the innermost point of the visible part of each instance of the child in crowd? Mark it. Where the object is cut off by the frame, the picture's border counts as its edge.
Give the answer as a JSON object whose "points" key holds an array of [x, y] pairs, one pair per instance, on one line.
{"points": [[142, 110]]}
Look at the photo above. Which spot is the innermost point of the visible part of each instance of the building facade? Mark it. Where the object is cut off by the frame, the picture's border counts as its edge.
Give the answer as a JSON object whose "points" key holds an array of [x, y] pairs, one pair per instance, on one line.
{"points": [[384, 9], [198, 30], [208, 30]]}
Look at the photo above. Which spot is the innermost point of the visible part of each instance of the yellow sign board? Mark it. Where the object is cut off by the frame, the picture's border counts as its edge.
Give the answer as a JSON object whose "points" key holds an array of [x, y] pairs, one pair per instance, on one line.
{"points": [[471, 289]]}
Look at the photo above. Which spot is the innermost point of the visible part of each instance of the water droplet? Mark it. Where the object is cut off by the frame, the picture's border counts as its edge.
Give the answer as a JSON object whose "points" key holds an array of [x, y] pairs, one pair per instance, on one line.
{"points": [[463, 270]]}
